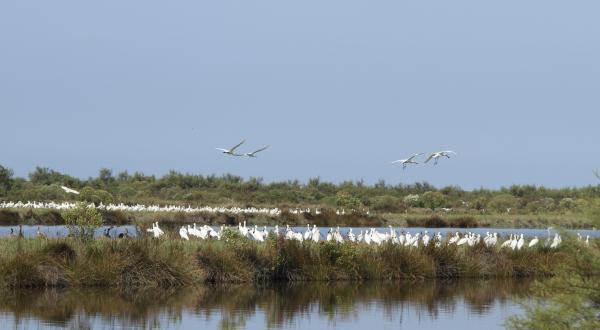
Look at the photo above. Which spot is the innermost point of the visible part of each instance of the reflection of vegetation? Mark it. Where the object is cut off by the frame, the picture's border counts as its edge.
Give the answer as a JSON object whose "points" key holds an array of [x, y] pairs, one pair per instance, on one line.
{"points": [[146, 263], [236, 304], [571, 300], [567, 206]]}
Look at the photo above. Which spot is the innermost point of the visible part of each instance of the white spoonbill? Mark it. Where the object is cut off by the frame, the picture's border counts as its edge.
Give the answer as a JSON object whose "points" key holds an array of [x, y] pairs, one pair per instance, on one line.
{"points": [[183, 233], [253, 153], [438, 154], [69, 190], [407, 161], [534, 241], [232, 150]]}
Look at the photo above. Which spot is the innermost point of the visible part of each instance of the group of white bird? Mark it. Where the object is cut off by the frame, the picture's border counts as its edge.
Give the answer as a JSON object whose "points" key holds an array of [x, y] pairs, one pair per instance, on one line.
{"points": [[434, 155], [273, 212], [368, 236], [204, 232], [231, 151]]}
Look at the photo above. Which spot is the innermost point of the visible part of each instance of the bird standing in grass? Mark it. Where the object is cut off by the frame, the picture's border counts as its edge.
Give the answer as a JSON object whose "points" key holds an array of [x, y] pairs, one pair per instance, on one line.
{"points": [[183, 233], [533, 242]]}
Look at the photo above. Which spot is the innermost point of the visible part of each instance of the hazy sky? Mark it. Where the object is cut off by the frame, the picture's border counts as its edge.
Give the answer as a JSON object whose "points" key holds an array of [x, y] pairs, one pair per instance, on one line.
{"points": [[338, 88]]}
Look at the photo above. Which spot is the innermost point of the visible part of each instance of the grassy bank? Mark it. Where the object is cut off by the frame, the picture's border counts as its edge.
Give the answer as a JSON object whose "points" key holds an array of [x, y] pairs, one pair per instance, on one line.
{"points": [[172, 263]]}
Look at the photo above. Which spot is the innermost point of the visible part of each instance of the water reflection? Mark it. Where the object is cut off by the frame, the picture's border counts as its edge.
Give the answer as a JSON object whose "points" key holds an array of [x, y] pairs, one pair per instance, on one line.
{"points": [[274, 306]]}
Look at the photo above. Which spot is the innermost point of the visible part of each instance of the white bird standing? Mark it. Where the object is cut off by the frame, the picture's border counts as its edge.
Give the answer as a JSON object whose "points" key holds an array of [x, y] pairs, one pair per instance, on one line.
{"points": [[253, 153], [556, 241], [533, 242], [438, 154], [520, 242], [351, 236], [232, 150], [69, 190], [183, 233], [407, 161], [307, 233]]}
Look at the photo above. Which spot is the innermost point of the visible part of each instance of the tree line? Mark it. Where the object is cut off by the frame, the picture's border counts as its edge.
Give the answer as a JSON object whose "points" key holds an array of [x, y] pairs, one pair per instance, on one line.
{"points": [[43, 184]]}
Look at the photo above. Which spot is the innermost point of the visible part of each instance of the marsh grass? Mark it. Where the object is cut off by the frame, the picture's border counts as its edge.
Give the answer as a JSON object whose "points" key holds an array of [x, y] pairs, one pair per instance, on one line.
{"points": [[164, 263]]}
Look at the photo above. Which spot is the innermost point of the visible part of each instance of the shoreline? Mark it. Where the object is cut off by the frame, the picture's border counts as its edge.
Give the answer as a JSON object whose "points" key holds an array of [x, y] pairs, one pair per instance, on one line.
{"points": [[168, 263], [14, 217]]}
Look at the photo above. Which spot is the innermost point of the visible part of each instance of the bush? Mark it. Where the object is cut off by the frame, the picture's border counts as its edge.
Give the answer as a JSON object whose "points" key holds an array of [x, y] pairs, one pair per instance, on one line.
{"points": [[503, 202], [96, 196], [82, 221], [344, 199], [433, 200]]}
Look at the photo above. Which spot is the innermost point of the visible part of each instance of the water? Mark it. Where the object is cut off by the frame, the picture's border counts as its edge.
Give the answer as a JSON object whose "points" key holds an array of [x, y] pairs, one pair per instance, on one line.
{"points": [[473, 304], [62, 231]]}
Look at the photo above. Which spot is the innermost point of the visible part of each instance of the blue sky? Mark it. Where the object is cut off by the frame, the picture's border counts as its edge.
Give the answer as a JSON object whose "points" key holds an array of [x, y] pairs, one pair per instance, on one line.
{"points": [[337, 88]]}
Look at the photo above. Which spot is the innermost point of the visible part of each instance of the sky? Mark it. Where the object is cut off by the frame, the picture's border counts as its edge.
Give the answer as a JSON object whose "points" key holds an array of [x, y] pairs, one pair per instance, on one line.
{"points": [[338, 89]]}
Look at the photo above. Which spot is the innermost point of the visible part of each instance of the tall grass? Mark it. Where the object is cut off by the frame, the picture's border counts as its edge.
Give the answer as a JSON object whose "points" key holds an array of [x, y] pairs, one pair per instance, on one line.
{"points": [[149, 263]]}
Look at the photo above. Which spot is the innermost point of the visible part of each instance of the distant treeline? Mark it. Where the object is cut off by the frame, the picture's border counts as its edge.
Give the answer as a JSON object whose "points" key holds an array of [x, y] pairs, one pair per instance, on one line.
{"points": [[43, 184]]}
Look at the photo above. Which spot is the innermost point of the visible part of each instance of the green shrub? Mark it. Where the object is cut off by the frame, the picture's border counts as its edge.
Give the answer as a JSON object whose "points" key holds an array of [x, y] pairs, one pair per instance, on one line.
{"points": [[82, 221]]}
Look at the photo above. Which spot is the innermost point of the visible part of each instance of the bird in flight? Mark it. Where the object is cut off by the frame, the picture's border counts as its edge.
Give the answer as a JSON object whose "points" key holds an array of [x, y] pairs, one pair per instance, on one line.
{"points": [[253, 153], [438, 154], [232, 150], [69, 190], [409, 160]]}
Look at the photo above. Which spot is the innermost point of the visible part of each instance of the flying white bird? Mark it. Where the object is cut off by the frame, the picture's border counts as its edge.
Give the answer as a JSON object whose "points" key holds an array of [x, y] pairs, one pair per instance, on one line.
{"points": [[253, 153], [409, 160], [438, 154], [232, 150], [69, 190]]}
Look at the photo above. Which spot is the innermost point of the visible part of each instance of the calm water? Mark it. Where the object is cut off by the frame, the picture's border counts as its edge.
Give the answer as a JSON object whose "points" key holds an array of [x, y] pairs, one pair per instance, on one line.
{"points": [[473, 304]]}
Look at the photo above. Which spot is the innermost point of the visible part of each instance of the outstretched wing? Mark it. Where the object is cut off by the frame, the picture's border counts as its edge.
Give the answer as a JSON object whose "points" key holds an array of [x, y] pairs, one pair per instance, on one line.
{"points": [[259, 150], [69, 190], [430, 157], [413, 156], [224, 150], [449, 152], [398, 161], [237, 145]]}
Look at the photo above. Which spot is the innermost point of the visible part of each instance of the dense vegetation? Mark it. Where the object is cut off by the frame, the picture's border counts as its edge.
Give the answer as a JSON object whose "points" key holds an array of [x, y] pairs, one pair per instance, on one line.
{"points": [[43, 184], [145, 262], [571, 299]]}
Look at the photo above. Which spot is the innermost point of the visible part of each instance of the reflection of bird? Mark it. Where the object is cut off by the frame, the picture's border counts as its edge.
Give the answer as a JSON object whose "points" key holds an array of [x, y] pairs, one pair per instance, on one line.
{"points": [[253, 153], [69, 190], [436, 155], [232, 150], [409, 160]]}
